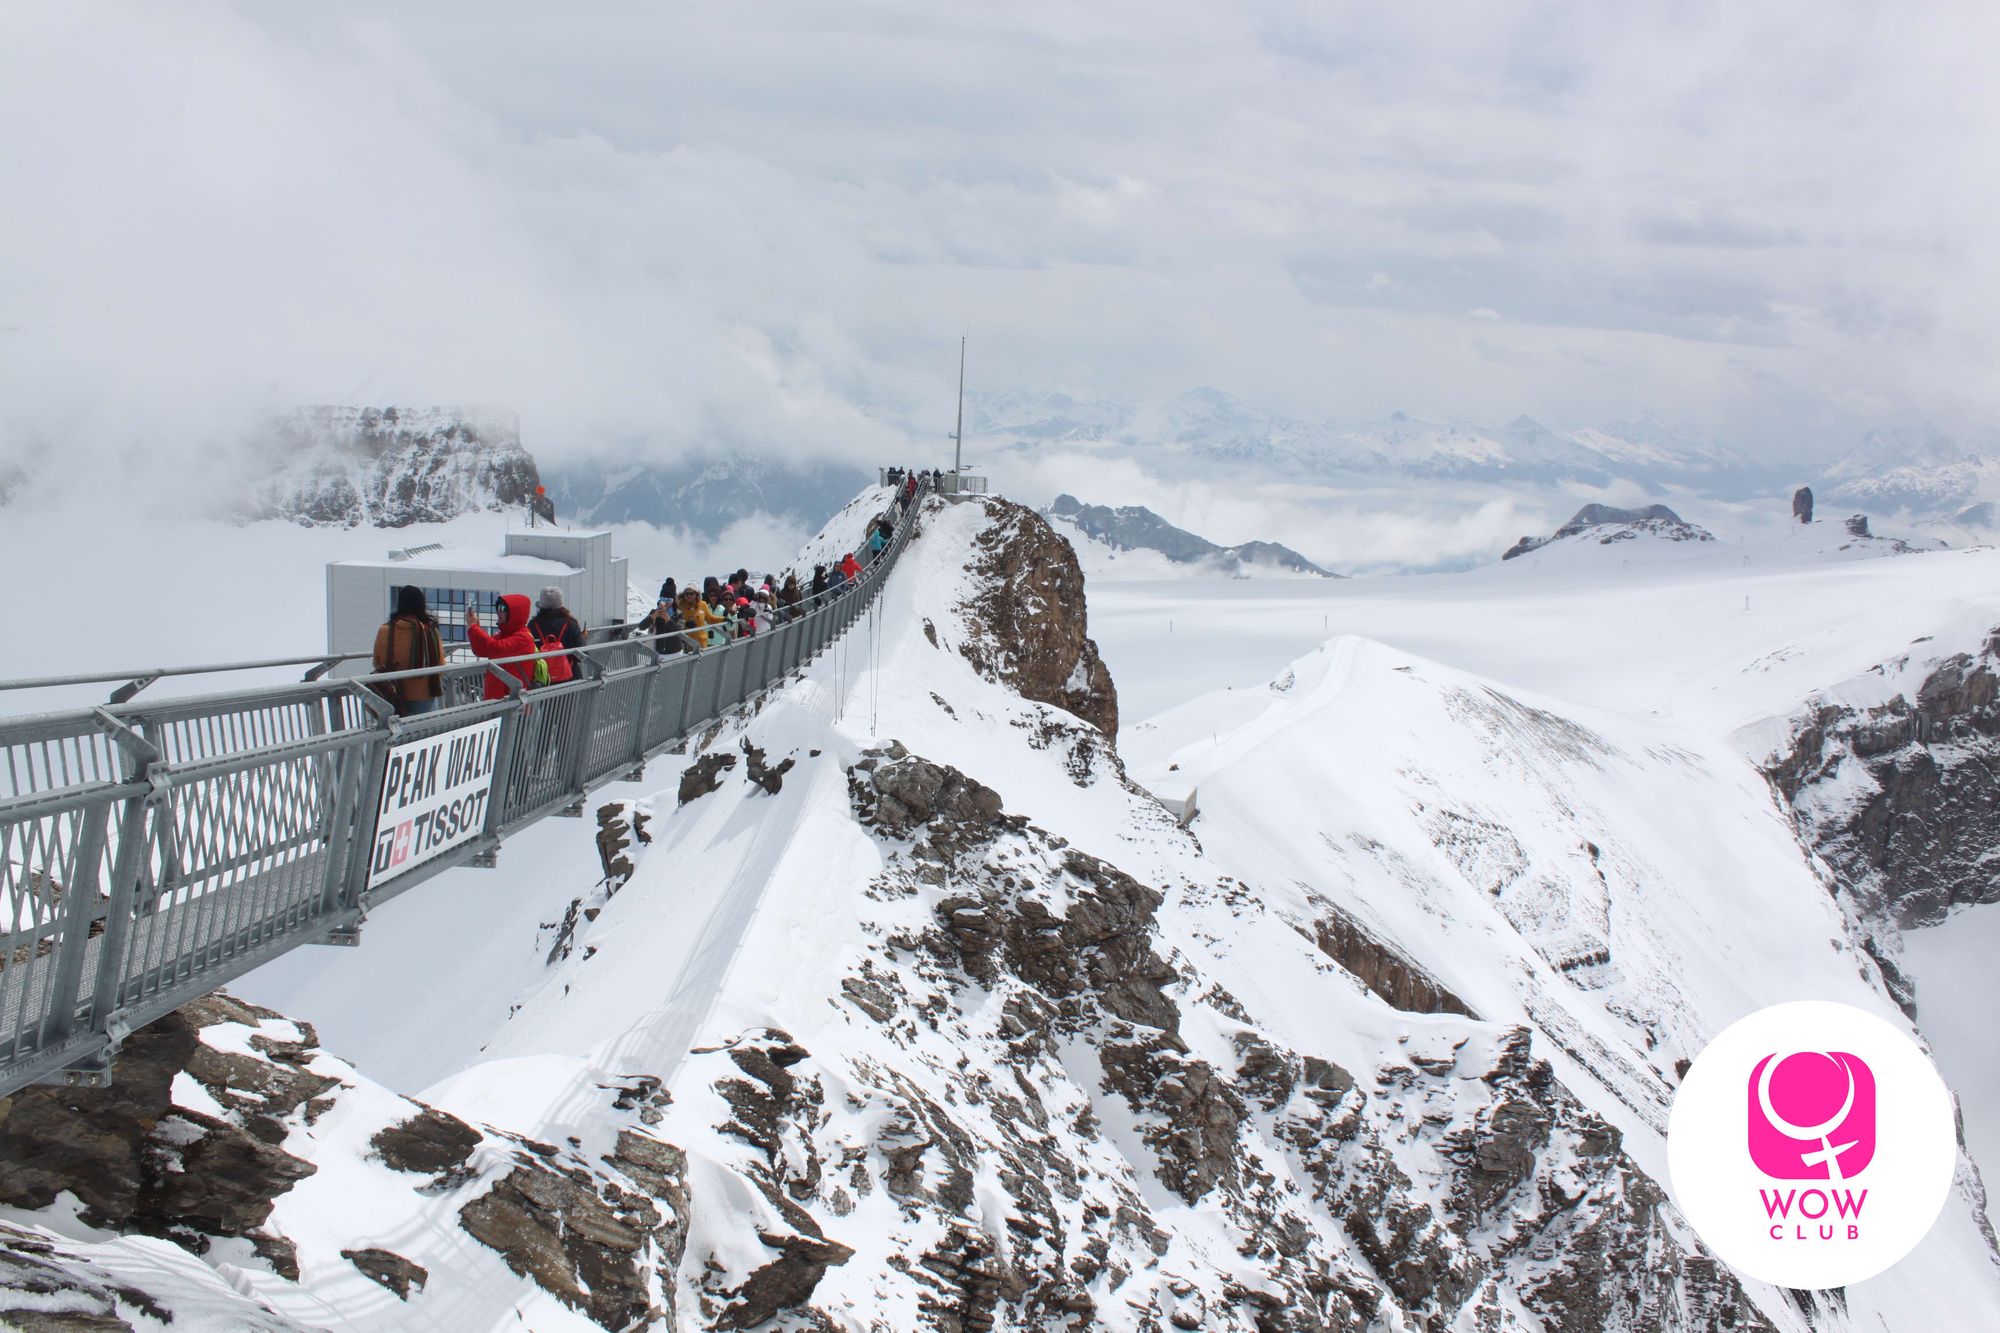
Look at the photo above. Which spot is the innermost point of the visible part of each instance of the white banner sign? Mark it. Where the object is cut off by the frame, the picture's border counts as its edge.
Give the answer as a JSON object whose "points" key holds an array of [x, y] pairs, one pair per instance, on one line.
{"points": [[434, 794]]}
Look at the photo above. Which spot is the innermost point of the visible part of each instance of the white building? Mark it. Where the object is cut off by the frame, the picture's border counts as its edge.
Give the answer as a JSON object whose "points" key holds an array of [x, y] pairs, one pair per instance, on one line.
{"points": [[360, 594]]}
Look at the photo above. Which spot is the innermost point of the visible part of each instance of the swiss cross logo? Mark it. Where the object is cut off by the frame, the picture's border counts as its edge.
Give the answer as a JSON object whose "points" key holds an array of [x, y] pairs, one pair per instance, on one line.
{"points": [[1812, 1115]]}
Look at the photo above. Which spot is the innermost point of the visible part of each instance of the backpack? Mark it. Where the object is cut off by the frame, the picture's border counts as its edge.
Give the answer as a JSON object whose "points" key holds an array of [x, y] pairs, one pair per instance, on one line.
{"points": [[544, 674]]}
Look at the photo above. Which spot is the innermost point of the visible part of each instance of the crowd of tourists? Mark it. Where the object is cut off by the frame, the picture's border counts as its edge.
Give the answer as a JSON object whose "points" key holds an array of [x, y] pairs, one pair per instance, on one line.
{"points": [[686, 618]]}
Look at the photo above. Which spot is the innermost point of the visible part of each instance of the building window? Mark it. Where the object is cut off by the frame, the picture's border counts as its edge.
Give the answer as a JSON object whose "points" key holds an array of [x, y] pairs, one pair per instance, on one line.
{"points": [[448, 606]]}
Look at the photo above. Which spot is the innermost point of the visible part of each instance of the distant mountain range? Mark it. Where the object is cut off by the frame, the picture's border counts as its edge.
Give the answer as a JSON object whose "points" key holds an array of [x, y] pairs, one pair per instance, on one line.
{"points": [[1922, 470], [1137, 528], [1205, 431]]}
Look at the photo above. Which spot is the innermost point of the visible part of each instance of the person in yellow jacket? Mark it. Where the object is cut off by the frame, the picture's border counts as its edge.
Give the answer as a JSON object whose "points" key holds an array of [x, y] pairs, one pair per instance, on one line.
{"points": [[695, 613], [408, 642]]}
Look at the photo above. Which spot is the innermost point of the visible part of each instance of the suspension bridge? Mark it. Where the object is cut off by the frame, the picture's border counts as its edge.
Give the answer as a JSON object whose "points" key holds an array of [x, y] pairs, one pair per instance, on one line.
{"points": [[152, 852]]}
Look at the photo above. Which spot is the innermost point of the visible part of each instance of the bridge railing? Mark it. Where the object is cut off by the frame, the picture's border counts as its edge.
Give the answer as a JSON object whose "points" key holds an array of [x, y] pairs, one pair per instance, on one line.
{"points": [[151, 852]]}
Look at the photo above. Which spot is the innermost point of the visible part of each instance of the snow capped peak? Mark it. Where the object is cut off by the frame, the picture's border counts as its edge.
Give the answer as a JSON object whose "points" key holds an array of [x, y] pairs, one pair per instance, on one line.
{"points": [[1106, 537], [1605, 526]]}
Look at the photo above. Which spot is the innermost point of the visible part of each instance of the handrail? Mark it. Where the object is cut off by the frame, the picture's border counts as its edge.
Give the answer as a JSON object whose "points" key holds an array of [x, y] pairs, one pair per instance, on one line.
{"points": [[319, 662], [152, 852]]}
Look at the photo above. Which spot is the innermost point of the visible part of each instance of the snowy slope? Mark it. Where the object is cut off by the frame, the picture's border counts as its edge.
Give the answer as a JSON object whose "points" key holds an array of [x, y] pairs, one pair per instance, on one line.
{"points": [[1627, 886], [1434, 768], [956, 1018], [792, 925]]}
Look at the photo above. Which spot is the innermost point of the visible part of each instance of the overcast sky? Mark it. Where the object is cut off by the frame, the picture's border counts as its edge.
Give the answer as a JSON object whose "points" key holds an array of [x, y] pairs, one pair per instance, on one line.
{"points": [[764, 223]]}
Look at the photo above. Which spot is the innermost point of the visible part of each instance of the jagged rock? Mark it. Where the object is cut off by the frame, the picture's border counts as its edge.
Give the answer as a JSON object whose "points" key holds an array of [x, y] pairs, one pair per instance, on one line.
{"points": [[390, 1269], [1899, 799], [584, 1248], [704, 775], [963, 1283], [137, 1161], [93, 1141], [785, 1283], [769, 1108], [430, 1143], [620, 824], [902, 792], [1028, 624], [1857, 525], [1199, 1113], [390, 467], [770, 778], [1380, 968]]}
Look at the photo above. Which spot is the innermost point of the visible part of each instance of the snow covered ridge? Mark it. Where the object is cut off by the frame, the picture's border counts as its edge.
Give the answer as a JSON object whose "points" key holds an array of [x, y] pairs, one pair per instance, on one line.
{"points": [[924, 1014], [1922, 470], [390, 467], [1606, 525], [1894, 779], [1135, 528]]}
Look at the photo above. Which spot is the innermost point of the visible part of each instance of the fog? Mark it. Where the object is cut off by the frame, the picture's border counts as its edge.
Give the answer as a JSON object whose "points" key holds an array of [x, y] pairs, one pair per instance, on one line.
{"points": [[662, 229]]}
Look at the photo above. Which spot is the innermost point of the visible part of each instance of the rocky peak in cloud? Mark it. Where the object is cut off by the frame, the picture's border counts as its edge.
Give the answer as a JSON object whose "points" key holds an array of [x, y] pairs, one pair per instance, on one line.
{"points": [[1135, 528], [1605, 526], [390, 467]]}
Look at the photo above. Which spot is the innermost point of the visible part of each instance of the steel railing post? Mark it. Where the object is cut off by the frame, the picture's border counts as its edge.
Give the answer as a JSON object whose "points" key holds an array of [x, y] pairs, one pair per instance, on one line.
{"points": [[592, 699], [133, 834], [645, 715], [488, 854], [351, 852], [79, 899]]}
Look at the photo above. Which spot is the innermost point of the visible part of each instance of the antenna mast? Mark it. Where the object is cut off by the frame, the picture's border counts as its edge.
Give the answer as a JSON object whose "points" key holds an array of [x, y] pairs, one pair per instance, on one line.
{"points": [[958, 436]]}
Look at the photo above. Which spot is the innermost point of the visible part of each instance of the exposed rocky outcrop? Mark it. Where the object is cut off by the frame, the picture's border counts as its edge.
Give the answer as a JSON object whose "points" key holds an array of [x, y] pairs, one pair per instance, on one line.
{"points": [[1037, 991], [209, 1123], [140, 1161], [583, 1240], [389, 1269], [1605, 525], [769, 777], [1381, 968], [621, 832], [1029, 624], [1899, 798], [704, 775], [390, 467]]}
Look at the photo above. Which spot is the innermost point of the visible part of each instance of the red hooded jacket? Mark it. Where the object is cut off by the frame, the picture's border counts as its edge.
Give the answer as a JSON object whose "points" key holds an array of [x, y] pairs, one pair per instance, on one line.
{"points": [[849, 568], [510, 639]]}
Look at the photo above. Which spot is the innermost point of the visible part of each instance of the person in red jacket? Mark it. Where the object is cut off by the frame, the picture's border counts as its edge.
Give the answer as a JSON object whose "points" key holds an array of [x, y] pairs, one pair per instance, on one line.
{"points": [[509, 639], [850, 568]]}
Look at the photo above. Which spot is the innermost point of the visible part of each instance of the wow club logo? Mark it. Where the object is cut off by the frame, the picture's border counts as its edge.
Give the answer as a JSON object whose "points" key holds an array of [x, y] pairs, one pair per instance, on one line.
{"points": [[1812, 1145]]}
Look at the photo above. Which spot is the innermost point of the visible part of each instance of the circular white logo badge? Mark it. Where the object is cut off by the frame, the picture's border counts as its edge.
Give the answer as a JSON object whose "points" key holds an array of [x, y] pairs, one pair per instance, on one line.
{"points": [[1812, 1145]]}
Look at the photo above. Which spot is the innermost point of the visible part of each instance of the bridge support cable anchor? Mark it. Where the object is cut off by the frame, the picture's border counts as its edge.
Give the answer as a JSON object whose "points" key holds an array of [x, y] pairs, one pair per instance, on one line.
{"points": [[131, 687]]}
